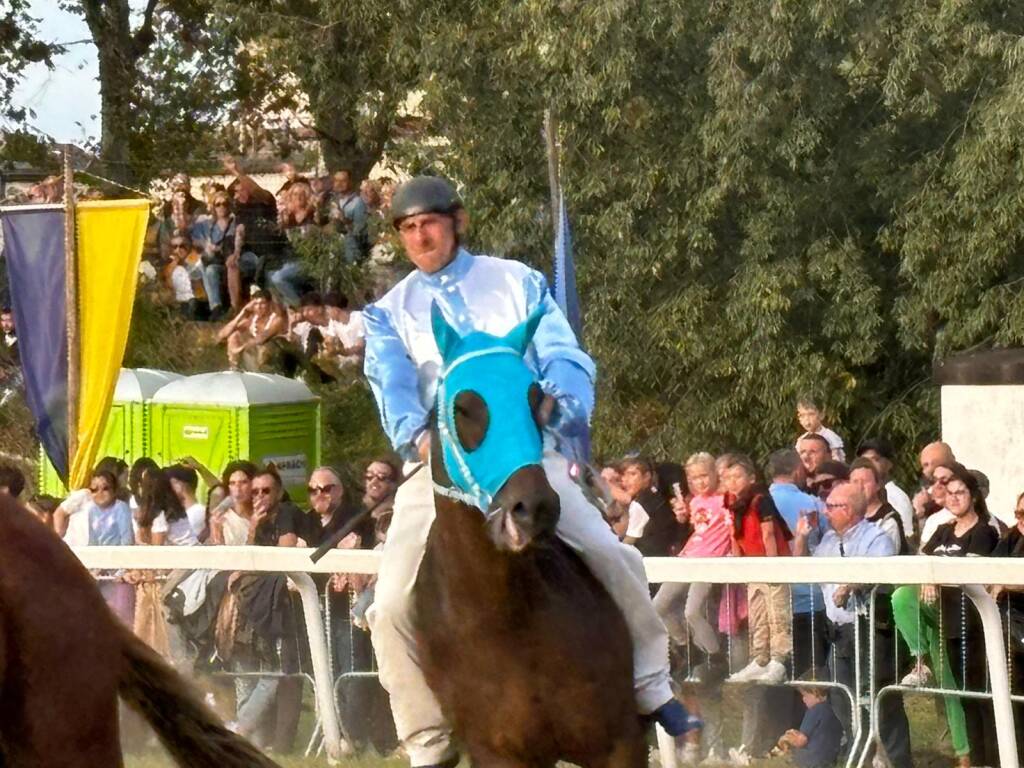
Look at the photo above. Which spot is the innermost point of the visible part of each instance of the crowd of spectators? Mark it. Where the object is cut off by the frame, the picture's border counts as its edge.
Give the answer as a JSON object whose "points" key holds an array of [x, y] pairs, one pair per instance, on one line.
{"points": [[235, 258], [802, 503], [808, 502], [246, 627], [231, 258]]}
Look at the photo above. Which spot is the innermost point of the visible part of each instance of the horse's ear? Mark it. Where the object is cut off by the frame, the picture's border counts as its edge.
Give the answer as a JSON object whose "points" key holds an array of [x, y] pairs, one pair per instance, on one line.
{"points": [[445, 336], [519, 338]]}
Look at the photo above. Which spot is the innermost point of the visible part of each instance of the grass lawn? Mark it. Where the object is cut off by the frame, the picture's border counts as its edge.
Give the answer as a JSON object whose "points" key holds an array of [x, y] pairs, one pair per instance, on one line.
{"points": [[926, 732]]}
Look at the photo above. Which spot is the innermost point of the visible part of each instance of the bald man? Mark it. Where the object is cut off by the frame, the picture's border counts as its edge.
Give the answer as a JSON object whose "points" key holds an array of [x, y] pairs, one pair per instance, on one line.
{"points": [[934, 454]]}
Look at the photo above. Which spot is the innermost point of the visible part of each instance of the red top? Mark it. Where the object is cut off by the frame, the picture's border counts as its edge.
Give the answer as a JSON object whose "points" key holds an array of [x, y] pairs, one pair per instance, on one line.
{"points": [[759, 510]]}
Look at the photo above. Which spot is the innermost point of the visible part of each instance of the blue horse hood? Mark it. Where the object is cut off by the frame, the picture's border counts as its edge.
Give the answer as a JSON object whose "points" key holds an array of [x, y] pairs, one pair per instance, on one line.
{"points": [[494, 369]]}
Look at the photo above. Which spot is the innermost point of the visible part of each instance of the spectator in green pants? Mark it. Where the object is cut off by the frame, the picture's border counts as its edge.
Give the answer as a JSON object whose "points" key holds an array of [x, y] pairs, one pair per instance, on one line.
{"points": [[917, 610]]}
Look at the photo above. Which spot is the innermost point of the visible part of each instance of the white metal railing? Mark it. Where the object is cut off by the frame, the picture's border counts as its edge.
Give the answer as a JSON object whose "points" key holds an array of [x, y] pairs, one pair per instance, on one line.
{"points": [[297, 565]]}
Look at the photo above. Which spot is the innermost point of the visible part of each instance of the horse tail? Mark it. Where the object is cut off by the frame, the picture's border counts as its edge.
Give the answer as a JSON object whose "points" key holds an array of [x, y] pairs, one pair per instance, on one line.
{"points": [[188, 730]]}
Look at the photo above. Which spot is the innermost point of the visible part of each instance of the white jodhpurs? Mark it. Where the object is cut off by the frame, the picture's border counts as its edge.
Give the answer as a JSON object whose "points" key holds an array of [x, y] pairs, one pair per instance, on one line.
{"points": [[418, 719]]}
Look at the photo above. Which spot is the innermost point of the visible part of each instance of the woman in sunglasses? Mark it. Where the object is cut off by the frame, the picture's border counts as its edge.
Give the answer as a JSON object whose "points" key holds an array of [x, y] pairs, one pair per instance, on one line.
{"points": [[941, 476], [110, 525]]}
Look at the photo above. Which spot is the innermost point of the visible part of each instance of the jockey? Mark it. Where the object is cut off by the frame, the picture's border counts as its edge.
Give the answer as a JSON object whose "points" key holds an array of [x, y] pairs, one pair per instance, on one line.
{"points": [[402, 362]]}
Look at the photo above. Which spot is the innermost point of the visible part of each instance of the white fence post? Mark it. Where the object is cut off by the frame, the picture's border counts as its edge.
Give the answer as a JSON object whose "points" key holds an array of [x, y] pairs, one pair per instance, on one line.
{"points": [[998, 673], [323, 683]]}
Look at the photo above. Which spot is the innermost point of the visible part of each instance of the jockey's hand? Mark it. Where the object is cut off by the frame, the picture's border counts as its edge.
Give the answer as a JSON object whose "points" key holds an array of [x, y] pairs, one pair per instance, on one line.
{"points": [[423, 447], [547, 410]]}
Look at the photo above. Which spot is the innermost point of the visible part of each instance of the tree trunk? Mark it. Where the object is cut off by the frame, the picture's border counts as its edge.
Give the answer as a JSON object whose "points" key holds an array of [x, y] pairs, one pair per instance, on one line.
{"points": [[119, 52], [118, 80], [340, 143]]}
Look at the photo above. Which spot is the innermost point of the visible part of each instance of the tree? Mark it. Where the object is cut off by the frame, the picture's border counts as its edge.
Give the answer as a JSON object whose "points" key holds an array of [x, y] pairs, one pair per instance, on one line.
{"points": [[164, 84], [760, 195], [20, 47], [351, 63]]}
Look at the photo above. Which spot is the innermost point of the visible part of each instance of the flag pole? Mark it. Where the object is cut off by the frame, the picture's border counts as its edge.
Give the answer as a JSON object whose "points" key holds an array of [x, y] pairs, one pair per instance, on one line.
{"points": [[71, 302], [554, 182]]}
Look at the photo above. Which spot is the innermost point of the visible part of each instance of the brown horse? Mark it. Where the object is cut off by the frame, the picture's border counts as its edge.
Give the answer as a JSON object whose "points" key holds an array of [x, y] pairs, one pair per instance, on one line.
{"points": [[65, 659], [528, 655]]}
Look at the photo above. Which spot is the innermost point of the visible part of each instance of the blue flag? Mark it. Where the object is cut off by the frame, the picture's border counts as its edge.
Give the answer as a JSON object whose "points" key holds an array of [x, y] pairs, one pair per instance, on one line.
{"points": [[567, 298], [565, 273], [34, 250]]}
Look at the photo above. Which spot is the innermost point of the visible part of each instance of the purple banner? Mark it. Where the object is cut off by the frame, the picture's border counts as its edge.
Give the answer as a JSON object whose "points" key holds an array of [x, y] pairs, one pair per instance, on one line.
{"points": [[34, 251]]}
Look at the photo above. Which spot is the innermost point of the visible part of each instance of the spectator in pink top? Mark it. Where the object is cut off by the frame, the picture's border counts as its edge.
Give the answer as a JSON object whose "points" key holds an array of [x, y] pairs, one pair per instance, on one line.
{"points": [[682, 607]]}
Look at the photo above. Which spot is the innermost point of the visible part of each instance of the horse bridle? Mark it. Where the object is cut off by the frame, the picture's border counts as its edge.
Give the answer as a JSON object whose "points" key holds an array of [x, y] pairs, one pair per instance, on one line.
{"points": [[475, 496]]}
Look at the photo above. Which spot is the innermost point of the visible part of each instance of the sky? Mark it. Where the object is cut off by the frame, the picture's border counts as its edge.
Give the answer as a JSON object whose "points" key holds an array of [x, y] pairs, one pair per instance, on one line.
{"points": [[67, 98]]}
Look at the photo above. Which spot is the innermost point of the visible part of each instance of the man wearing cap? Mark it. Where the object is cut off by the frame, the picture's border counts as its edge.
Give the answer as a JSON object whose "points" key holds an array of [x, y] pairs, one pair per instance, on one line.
{"points": [[402, 362], [879, 452]]}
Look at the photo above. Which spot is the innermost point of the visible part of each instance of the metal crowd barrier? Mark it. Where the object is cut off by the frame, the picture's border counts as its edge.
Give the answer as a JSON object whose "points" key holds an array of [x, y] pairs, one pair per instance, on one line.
{"points": [[971, 572]]}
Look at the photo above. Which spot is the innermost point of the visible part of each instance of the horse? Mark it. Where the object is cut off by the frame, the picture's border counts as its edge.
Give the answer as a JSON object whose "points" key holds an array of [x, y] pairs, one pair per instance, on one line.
{"points": [[528, 655], [65, 659]]}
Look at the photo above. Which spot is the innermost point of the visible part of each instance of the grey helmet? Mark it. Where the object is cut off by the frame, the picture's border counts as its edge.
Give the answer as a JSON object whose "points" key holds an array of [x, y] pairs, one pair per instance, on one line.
{"points": [[424, 194]]}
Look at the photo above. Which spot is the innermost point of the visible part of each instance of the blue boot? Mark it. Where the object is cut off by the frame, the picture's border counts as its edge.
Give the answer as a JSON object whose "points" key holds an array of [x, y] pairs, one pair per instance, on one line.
{"points": [[675, 719]]}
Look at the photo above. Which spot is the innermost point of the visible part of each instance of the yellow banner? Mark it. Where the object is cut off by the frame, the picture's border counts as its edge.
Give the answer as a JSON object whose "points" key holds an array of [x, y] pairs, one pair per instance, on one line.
{"points": [[110, 239]]}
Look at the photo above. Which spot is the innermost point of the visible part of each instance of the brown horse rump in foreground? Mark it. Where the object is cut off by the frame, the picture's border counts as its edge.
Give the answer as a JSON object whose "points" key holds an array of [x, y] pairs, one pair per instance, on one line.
{"points": [[65, 659], [527, 653]]}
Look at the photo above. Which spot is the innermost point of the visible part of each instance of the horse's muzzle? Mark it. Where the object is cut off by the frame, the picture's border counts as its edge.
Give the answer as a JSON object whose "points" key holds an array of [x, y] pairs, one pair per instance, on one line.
{"points": [[529, 510]]}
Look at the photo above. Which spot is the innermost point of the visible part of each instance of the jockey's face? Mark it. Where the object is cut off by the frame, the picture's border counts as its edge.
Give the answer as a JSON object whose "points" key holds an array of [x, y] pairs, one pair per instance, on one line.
{"points": [[429, 240]]}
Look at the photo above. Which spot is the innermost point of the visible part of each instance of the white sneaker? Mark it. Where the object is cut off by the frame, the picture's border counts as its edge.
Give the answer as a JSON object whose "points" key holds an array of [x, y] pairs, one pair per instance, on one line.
{"points": [[739, 756], [774, 673], [714, 757], [688, 754], [753, 671], [919, 677]]}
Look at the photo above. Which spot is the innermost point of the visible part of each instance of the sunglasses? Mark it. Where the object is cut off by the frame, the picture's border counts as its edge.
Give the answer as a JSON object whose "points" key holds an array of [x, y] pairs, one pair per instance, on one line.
{"points": [[377, 476], [943, 481], [221, 204], [100, 489], [262, 491], [316, 489], [176, 246]]}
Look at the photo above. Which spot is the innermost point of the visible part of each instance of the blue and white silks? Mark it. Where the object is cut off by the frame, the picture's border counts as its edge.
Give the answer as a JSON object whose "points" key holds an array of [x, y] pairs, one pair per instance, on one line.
{"points": [[474, 293]]}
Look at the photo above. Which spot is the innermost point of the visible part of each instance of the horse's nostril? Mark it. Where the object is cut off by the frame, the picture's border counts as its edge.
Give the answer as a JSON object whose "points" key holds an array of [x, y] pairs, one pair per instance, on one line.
{"points": [[520, 512]]}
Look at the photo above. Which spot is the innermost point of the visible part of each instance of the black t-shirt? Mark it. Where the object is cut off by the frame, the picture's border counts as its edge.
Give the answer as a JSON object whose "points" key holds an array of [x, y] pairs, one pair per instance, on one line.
{"points": [[1012, 545], [980, 540], [318, 532], [287, 519], [824, 733], [663, 535]]}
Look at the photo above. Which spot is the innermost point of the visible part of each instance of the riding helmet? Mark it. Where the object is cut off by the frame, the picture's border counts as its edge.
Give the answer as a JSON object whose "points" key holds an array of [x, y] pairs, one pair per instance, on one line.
{"points": [[424, 194]]}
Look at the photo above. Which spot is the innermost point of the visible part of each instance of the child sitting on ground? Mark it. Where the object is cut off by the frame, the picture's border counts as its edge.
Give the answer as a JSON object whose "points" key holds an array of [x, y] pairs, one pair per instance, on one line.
{"points": [[817, 742], [810, 415]]}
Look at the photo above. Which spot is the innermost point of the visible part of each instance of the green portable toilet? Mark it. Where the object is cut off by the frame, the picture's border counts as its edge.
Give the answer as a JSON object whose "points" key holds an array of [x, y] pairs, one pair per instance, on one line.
{"points": [[126, 434], [218, 417]]}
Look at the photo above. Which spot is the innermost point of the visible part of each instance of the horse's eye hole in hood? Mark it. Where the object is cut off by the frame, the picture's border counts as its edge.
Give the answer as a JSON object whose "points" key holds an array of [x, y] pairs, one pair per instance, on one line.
{"points": [[536, 398], [471, 419]]}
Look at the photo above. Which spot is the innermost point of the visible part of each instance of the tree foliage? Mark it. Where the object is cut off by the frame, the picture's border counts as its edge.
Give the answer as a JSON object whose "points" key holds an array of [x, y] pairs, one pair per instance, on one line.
{"points": [[20, 47], [348, 61], [768, 199]]}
